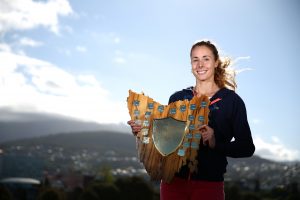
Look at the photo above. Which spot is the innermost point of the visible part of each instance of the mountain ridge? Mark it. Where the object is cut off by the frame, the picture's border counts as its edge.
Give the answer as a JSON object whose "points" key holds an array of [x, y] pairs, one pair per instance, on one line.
{"points": [[95, 139], [87, 151], [19, 125]]}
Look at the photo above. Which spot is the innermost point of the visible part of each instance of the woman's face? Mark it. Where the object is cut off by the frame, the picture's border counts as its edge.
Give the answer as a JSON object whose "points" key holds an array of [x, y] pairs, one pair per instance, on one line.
{"points": [[203, 63]]}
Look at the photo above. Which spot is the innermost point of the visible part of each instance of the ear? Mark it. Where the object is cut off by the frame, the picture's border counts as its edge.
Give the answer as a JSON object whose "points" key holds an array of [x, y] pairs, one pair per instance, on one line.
{"points": [[217, 63]]}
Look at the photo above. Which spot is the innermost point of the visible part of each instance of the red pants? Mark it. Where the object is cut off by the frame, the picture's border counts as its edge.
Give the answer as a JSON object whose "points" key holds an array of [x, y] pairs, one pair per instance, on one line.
{"points": [[181, 189]]}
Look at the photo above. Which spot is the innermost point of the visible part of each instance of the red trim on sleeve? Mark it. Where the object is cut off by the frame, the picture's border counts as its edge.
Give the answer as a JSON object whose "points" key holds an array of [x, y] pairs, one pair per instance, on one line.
{"points": [[215, 101]]}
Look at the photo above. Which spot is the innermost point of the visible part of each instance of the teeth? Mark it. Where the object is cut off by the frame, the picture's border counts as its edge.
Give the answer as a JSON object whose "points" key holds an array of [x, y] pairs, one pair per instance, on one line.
{"points": [[201, 72]]}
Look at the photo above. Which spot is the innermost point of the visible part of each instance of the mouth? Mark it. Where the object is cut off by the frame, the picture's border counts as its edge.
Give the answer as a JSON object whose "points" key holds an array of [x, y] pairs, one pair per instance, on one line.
{"points": [[201, 72]]}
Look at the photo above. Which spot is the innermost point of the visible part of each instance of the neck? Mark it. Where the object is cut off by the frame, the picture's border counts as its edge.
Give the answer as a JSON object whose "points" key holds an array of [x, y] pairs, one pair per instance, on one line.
{"points": [[206, 88]]}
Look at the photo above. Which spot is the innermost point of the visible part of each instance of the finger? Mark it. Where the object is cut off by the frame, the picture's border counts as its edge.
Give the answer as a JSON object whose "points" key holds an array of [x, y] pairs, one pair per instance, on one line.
{"points": [[131, 122], [136, 126], [205, 136], [203, 128], [134, 133], [136, 130], [205, 142]]}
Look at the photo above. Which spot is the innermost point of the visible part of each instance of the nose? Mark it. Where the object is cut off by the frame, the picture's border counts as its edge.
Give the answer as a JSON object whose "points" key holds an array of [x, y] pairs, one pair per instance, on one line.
{"points": [[200, 64]]}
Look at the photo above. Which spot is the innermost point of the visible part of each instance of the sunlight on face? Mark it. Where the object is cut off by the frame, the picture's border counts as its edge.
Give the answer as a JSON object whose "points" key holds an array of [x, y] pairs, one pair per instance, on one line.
{"points": [[203, 63]]}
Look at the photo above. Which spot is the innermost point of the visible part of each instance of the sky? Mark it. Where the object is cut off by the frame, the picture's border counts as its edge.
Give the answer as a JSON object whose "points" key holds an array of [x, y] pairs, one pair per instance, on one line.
{"points": [[79, 58]]}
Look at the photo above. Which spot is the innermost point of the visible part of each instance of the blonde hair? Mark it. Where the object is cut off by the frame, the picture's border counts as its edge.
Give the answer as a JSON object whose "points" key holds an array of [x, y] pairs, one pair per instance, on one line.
{"points": [[224, 76]]}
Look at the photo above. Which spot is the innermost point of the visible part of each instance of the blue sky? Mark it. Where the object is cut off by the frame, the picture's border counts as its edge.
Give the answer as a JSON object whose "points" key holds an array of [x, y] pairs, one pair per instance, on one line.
{"points": [[80, 58]]}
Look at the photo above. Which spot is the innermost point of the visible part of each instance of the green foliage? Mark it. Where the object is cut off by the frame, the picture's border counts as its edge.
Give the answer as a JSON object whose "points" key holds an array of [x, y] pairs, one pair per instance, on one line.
{"points": [[106, 175], [89, 194], [106, 191], [129, 188], [135, 188], [51, 194], [5, 194], [75, 194], [233, 192], [250, 196]]}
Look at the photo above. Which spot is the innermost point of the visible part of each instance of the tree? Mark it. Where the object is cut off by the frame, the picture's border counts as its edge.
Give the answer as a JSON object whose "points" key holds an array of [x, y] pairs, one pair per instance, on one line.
{"points": [[51, 194], [134, 188], [233, 192], [106, 175], [89, 194], [5, 194], [250, 196], [105, 191]]}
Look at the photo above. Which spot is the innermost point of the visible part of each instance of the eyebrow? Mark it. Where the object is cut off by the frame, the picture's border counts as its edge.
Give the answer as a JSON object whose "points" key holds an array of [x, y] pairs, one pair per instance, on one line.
{"points": [[205, 56]]}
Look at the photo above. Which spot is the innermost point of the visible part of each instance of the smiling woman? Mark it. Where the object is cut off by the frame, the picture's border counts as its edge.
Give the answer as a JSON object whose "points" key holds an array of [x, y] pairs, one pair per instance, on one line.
{"points": [[206, 64], [227, 132]]}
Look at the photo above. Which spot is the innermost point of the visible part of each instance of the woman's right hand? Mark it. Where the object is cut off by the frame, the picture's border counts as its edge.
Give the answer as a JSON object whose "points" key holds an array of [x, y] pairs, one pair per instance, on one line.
{"points": [[135, 128]]}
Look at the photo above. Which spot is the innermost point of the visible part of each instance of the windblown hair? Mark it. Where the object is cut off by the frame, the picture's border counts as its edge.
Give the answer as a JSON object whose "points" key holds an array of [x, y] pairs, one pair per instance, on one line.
{"points": [[223, 76]]}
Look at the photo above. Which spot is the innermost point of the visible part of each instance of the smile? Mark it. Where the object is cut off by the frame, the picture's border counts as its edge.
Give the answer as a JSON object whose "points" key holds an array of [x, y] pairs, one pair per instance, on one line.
{"points": [[201, 72]]}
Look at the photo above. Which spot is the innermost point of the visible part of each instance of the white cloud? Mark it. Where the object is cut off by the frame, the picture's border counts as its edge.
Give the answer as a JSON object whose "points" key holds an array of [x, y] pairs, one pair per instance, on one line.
{"points": [[108, 38], [119, 60], [81, 49], [237, 71], [29, 42], [119, 57], [240, 58], [32, 85], [5, 47], [117, 40], [66, 52], [28, 14], [275, 150], [243, 69]]}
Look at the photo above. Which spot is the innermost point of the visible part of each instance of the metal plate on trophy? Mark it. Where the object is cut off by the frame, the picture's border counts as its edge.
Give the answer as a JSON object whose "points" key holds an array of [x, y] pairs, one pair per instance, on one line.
{"points": [[168, 134]]}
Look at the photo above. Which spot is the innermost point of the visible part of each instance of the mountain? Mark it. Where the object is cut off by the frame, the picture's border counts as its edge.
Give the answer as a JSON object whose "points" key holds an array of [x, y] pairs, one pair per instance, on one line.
{"points": [[102, 141], [18, 125], [87, 151], [107, 140]]}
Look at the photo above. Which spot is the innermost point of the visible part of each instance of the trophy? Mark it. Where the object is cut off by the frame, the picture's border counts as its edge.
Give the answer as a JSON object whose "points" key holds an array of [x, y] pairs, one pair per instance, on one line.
{"points": [[170, 134]]}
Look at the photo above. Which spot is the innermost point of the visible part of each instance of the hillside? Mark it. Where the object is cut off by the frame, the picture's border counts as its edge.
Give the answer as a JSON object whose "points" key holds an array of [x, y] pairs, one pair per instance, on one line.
{"points": [[87, 151], [121, 143], [19, 125]]}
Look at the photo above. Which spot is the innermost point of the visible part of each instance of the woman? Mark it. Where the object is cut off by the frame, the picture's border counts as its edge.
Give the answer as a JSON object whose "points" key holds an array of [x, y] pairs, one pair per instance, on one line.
{"points": [[227, 133]]}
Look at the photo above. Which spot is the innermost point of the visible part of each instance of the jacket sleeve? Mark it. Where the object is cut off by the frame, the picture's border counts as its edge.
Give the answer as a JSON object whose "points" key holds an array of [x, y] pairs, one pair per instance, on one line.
{"points": [[242, 145], [172, 98]]}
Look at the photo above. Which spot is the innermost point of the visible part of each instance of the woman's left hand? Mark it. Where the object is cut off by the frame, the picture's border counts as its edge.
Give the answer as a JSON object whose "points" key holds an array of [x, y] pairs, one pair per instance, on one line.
{"points": [[208, 136]]}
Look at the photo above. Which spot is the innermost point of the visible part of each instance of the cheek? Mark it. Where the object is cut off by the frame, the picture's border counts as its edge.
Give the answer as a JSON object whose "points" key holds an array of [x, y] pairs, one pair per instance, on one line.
{"points": [[213, 70]]}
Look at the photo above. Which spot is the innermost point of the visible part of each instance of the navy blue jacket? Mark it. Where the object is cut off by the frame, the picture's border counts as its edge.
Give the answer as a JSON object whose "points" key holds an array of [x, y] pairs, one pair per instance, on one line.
{"points": [[228, 118]]}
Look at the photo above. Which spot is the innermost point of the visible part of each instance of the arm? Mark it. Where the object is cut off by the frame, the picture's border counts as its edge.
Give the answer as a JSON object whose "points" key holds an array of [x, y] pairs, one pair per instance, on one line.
{"points": [[242, 146]]}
